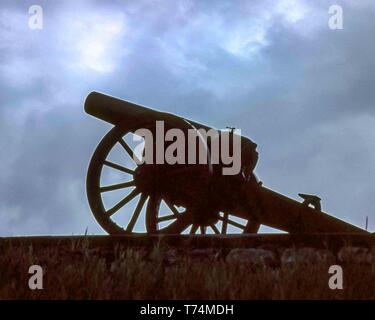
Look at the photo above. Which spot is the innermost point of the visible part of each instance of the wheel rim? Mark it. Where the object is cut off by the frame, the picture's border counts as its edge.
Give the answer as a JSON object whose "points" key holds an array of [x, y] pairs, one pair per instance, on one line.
{"points": [[131, 201]]}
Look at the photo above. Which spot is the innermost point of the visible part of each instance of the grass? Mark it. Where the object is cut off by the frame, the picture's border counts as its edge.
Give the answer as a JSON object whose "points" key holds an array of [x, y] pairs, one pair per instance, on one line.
{"points": [[80, 272]]}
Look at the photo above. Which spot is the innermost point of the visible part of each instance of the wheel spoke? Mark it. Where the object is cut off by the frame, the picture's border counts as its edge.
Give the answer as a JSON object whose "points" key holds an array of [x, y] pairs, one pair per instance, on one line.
{"points": [[234, 223], [118, 167], [166, 218], [117, 186], [136, 213], [173, 208], [193, 229], [215, 229], [225, 223], [123, 202], [129, 151], [180, 224], [252, 227]]}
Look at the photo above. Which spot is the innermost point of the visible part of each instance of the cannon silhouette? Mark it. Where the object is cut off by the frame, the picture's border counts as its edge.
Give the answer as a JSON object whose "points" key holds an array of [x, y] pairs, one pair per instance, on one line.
{"points": [[127, 196]]}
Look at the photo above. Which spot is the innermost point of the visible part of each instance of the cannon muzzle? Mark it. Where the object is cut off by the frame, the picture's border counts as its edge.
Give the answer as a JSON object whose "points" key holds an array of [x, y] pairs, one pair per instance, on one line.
{"points": [[130, 115]]}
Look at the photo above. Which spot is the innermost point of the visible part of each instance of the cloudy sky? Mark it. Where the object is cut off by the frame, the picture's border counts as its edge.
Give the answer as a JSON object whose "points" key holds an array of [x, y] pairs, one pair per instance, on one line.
{"points": [[303, 92]]}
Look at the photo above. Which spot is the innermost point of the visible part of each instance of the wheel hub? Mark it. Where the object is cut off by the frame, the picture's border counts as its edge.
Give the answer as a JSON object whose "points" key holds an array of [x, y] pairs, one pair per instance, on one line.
{"points": [[204, 217], [147, 178]]}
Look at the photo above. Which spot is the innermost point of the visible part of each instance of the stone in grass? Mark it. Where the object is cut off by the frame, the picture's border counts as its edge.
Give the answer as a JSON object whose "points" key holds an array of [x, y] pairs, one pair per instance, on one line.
{"points": [[173, 256], [209, 254], [170, 257], [306, 256], [252, 257]]}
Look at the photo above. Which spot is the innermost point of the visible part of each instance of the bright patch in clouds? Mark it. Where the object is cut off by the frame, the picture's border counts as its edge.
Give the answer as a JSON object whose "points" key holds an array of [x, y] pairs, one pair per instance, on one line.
{"points": [[97, 41], [249, 35], [247, 42], [292, 11]]}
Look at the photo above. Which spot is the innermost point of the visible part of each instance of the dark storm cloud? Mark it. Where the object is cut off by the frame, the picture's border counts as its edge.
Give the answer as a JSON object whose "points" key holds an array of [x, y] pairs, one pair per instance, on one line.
{"points": [[303, 92]]}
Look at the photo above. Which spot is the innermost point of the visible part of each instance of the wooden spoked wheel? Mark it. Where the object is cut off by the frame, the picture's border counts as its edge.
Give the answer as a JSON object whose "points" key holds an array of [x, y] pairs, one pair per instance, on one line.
{"points": [[120, 207]]}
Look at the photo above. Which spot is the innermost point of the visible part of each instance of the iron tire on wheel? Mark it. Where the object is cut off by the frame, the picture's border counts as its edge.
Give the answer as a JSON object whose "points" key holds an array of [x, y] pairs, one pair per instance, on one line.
{"points": [[93, 181]]}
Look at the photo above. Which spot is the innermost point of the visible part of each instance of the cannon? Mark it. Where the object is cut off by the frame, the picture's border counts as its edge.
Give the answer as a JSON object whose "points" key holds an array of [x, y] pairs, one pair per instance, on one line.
{"points": [[128, 195]]}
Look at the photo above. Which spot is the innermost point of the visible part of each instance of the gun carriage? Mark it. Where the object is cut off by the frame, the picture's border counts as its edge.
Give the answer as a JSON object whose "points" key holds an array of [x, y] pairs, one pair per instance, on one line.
{"points": [[184, 198]]}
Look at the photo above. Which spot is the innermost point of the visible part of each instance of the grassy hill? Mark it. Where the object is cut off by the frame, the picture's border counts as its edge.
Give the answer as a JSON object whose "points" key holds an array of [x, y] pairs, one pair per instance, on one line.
{"points": [[78, 270]]}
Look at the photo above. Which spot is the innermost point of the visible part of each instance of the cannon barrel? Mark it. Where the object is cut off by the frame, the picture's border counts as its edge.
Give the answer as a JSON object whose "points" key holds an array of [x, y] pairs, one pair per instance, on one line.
{"points": [[130, 115], [133, 116]]}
